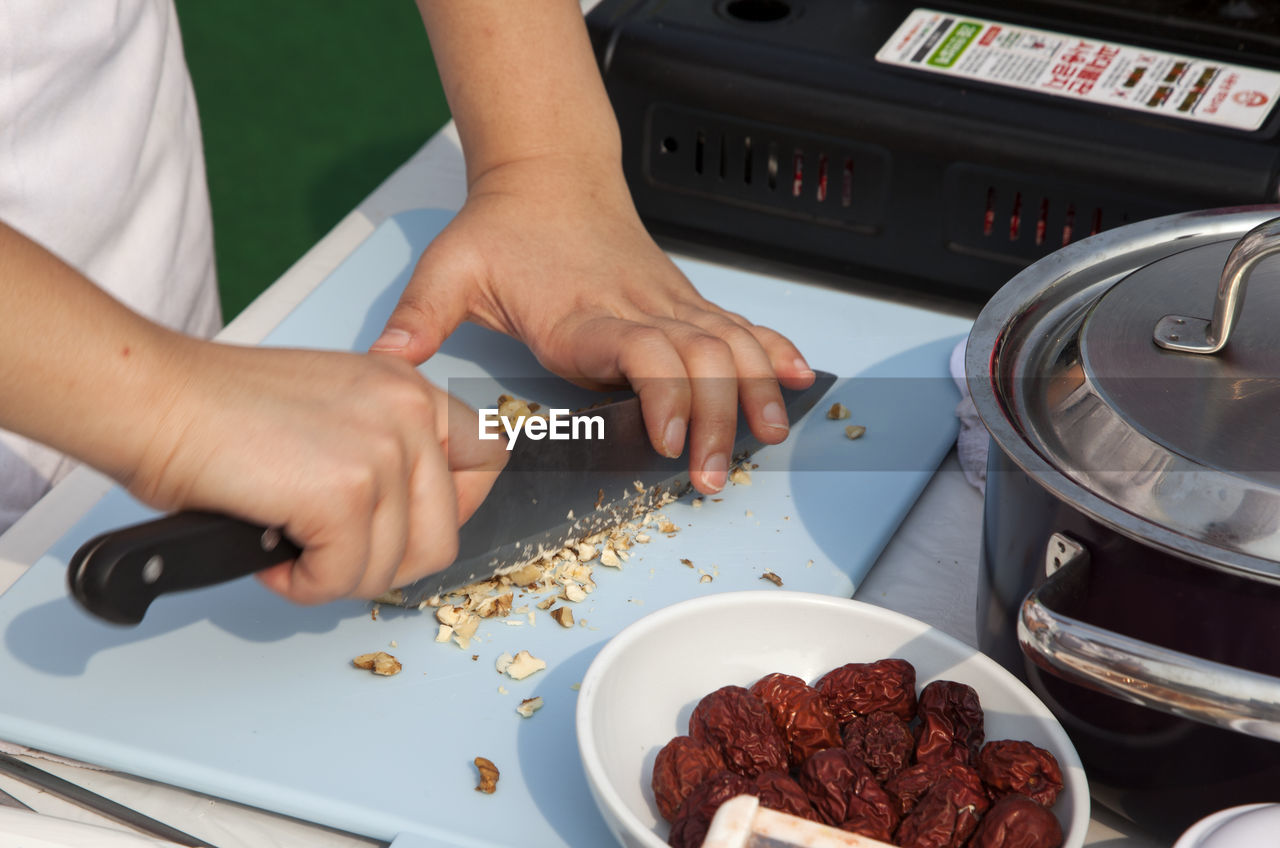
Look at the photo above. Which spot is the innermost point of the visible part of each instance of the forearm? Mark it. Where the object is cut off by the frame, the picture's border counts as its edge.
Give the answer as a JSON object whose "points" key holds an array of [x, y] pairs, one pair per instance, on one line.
{"points": [[79, 371], [522, 82]]}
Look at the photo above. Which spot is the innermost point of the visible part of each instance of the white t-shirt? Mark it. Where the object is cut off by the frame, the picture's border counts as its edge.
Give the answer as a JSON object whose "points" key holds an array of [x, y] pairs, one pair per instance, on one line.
{"points": [[101, 163]]}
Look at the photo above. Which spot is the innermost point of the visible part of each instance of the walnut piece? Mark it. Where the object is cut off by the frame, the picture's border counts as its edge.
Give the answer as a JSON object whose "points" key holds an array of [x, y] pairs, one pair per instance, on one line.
{"points": [[740, 476], [563, 616], [772, 578], [529, 706], [855, 431], [379, 663], [522, 665], [488, 775], [838, 412]]}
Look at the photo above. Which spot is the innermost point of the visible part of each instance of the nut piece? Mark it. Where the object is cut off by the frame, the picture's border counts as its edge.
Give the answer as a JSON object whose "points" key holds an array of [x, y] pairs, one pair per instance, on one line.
{"points": [[529, 706], [391, 596], [523, 665], [488, 775], [772, 578], [855, 431], [379, 663], [838, 412], [563, 616], [740, 476], [609, 557]]}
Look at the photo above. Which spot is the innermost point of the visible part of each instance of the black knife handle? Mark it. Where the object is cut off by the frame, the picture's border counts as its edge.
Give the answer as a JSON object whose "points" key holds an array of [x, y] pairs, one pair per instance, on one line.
{"points": [[117, 575]]}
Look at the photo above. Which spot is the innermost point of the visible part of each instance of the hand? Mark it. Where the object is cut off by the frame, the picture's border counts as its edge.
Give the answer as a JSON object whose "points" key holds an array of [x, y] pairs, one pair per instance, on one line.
{"points": [[352, 455], [551, 252]]}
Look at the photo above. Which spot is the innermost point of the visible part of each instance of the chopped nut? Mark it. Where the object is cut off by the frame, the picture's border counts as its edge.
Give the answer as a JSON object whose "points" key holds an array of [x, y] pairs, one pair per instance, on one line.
{"points": [[697, 503], [667, 526], [465, 629], [373, 613], [488, 776], [563, 616], [610, 558], [687, 562], [855, 431], [391, 596], [772, 578], [740, 476], [569, 516], [379, 663], [838, 412], [499, 606], [444, 633], [574, 593], [547, 603], [638, 486], [705, 578], [642, 538], [599, 498], [586, 552], [529, 706], [525, 575], [449, 615], [523, 665]]}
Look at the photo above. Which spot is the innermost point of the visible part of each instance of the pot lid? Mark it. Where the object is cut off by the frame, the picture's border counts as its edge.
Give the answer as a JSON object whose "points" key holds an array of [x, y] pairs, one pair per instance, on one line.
{"points": [[1127, 374]]}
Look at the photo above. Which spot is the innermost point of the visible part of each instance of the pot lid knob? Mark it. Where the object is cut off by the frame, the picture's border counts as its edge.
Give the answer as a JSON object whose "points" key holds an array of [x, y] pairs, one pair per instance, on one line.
{"points": [[1200, 335]]}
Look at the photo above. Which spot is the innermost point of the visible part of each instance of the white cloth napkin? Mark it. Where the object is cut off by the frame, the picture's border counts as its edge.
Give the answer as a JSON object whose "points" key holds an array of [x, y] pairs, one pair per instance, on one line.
{"points": [[973, 441]]}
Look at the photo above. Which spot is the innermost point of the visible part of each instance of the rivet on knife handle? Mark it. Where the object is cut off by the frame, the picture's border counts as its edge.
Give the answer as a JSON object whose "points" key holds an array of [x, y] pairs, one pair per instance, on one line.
{"points": [[117, 575]]}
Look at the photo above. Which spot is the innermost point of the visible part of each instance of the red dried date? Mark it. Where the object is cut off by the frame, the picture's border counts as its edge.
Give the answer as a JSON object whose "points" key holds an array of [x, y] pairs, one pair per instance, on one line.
{"points": [[1015, 767], [737, 724], [946, 816], [689, 828], [908, 786], [951, 723], [800, 714], [859, 688], [882, 741], [680, 766], [778, 791], [845, 794], [1016, 821]]}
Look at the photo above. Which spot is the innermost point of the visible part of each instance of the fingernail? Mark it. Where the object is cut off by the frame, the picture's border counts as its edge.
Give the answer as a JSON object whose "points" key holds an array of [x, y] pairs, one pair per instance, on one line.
{"points": [[774, 415], [802, 366], [673, 437], [391, 340], [715, 471]]}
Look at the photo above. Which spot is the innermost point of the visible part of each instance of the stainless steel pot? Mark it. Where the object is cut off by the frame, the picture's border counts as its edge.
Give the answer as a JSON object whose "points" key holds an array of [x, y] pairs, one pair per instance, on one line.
{"points": [[1131, 538]]}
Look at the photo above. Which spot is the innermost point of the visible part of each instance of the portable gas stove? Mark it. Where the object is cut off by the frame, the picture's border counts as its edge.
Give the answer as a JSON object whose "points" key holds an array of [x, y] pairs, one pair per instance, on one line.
{"points": [[939, 147]]}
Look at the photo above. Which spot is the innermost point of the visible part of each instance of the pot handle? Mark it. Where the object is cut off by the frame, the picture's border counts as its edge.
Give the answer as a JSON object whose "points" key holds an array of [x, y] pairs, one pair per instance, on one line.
{"points": [[1137, 671], [1198, 335]]}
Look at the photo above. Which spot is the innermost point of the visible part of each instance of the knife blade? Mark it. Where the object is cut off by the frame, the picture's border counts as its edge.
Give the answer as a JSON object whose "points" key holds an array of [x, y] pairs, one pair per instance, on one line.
{"points": [[552, 492]]}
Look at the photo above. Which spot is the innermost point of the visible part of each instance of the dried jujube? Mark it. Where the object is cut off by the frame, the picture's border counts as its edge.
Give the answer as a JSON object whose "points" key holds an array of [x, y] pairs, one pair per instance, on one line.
{"points": [[689, 828], [680, 766], [777, 790], [737, 724], [856, 689], [845, 794], [881, 740], [1016, 821], [1016, 767], [908, 786], [800, 714], [951, 723], [945, 817]]}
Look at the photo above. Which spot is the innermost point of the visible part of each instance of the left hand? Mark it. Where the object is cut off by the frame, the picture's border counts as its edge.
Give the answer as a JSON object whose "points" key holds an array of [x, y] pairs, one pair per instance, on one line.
{"points": [[550, 251]]}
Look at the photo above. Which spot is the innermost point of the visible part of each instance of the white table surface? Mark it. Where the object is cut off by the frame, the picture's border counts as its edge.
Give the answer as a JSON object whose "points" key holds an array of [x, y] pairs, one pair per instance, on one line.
{"points": [[928, 571]]}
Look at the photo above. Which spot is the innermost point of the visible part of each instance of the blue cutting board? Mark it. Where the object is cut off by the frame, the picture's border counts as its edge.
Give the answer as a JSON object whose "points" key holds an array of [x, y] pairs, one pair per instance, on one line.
{"points": [[232, 692]]}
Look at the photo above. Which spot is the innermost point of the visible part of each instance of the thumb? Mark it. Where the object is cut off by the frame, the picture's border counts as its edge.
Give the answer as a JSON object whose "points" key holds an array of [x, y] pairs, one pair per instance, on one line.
{"points": [[431, 307]]}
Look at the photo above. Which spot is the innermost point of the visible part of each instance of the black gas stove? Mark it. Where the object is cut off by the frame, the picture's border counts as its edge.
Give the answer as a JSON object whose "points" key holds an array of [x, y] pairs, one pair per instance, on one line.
{"points": [[936, 146]]}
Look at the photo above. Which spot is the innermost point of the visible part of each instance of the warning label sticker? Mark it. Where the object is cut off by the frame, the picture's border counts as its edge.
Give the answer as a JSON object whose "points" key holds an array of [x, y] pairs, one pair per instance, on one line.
{"points": [[1083, 68]]}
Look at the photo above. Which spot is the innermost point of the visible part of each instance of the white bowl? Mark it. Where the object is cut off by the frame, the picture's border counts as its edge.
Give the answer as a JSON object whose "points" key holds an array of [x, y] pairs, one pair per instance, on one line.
{"points": [[643, 685]]}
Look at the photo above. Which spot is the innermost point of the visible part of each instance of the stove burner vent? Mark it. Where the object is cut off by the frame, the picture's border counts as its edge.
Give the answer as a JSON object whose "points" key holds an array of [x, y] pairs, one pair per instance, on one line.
{"points": [[825, 179]]}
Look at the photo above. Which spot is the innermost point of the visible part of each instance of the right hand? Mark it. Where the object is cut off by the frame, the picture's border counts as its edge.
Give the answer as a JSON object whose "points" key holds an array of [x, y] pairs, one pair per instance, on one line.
{"points": [[354, 456]]}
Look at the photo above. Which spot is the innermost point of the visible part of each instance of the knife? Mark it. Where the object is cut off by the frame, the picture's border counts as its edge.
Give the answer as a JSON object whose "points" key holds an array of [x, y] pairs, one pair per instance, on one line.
{"points": [[552, 492]]}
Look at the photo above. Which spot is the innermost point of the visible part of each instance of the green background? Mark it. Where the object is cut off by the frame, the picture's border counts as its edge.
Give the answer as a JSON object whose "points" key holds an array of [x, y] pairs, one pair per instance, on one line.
{"points": [[306, 106]]}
